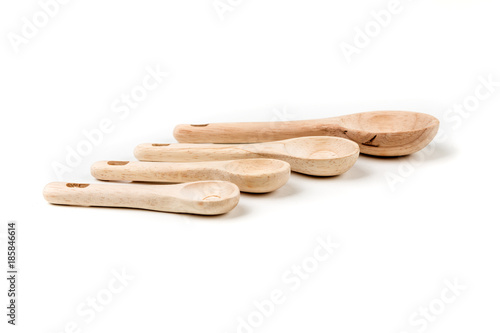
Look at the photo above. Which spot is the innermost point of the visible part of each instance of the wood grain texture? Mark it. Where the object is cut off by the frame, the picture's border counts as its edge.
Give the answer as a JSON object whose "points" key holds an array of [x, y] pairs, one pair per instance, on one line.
{"points": [[204, 198], [250, 175], [379, 133], [318, 155]]}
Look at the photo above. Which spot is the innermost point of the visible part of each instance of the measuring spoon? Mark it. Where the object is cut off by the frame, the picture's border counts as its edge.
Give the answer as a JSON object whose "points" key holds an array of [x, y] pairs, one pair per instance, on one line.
{"points": [[315, 155], [380, 133], [204, 198], [251, 175]]}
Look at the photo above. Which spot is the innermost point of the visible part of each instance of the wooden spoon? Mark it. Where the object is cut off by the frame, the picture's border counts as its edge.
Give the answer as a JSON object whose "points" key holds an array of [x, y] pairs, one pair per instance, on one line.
{"points": [[252, 175], [381, 133], [315, 155], [204, 198]]}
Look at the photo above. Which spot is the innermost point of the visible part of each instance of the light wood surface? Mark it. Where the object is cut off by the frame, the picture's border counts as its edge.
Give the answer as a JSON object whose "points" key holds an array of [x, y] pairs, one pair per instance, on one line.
{"points": [[251, 175], [204, 198], [380, 133], [317, 155]]}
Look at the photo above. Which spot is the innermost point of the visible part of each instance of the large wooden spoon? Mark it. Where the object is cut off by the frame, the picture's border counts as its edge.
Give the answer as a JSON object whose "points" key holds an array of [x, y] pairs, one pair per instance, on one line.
{"points": [[253, 175], [381, 133], [315, 155], [204, 198]]}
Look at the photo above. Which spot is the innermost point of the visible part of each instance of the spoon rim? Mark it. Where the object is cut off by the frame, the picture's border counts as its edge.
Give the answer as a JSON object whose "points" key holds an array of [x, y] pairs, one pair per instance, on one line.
{"points": [[355, 147], [234, 193], [433, 122], [282, 166]]}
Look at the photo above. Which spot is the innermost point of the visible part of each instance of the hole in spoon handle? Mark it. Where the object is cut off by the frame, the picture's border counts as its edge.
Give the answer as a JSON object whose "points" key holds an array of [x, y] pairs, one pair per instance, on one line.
{"points": [[118, 162], [78, 185]]}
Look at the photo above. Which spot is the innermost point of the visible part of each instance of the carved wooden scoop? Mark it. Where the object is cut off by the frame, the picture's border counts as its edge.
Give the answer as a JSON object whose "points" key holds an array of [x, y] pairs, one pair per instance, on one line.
{"points": [[204, 198], [381, 133], [315, 155], [252, 175]]}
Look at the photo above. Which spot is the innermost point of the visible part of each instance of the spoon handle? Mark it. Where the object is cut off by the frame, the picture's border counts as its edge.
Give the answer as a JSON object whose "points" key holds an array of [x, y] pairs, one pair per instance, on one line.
{"points": [[181, 152], [254, 131], [109, 195], [157, 171]]}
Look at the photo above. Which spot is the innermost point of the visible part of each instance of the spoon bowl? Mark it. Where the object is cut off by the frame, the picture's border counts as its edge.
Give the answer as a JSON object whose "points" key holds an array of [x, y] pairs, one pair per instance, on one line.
{"points": [[388, 121], [389, 133], [321, 155], [210, 197], [319, 147], [379, 133], [260, 175]]}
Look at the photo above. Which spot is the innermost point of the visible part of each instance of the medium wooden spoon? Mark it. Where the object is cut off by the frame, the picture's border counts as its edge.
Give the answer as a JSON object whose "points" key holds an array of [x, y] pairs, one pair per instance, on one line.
{"points": [[204, 198], [253, 175], [315, 155], [380, 133]]}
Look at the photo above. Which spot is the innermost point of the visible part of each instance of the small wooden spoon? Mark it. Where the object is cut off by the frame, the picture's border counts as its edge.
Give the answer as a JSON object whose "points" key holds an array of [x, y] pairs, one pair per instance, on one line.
{"points": [[380, 133], [315, 155], [253, 175], [204, 198]]}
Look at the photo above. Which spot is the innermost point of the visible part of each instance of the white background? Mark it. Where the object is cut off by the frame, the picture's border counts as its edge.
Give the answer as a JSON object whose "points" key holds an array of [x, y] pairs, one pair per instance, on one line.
{"points": [[264, 61]]}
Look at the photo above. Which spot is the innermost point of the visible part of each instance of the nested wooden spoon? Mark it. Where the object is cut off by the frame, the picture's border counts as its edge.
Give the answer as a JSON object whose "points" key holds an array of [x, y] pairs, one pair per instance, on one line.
{"points": [[253, 175], [315, 155], [381, 133], [204, 198]]}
